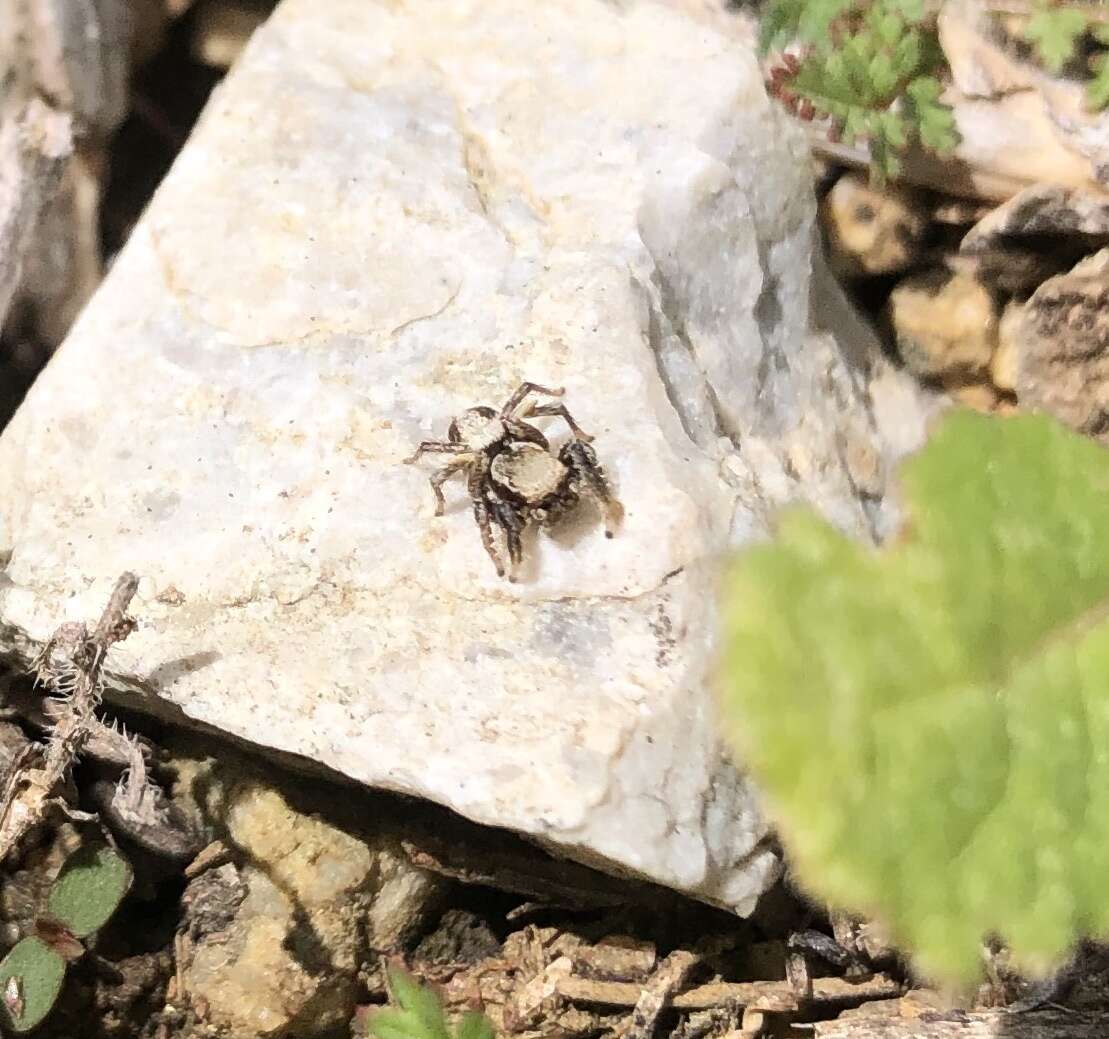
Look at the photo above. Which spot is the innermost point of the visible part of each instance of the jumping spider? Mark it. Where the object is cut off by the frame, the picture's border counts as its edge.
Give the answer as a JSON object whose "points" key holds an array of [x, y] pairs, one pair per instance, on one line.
{"points": [[512, 474]]}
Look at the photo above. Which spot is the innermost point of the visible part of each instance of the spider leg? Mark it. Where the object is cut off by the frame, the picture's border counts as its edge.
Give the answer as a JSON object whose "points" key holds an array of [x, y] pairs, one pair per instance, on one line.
{"points": [[526, 431], [484, 521], [441, 476], [437, 447], [522, 391], [537, 410], [581, 459], [512, 524], [483, 513]]}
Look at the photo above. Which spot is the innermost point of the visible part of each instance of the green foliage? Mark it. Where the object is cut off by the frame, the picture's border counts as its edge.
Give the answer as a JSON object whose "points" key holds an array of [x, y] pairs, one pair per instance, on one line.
{"points": [[89, 889], [808, 21], [1054, 33], [930, 722], [31, 978], [869, 68], [418, 1014], [874, 69]]}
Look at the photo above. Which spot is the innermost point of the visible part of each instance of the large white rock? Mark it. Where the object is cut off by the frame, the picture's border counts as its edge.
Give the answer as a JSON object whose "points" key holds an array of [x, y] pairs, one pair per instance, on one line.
{"points": [[391, 212]]}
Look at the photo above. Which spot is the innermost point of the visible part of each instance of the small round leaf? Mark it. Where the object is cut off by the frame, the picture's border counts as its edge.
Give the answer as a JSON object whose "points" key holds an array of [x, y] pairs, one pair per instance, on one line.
{"points": [[89, 888], [31, 978]]}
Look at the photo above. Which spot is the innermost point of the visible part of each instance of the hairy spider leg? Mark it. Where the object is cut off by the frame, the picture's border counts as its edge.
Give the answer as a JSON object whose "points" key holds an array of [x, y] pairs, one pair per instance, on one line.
{"points": [[441, 476], [536, 410], [512, 524], [524, 431], [525, 388], [436, 447], [582, 461], [475, 484]]}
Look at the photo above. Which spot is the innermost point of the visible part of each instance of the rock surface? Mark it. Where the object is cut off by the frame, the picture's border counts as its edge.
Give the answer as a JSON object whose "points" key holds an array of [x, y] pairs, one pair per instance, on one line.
{"points": [[1061, 347], [275, 937], [1059, 214], [945, 324], [390, 213], [873, 230]]}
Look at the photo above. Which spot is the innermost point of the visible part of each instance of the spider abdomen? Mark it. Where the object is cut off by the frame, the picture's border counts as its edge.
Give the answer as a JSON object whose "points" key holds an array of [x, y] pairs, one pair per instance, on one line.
{"points": [[527, 475]]}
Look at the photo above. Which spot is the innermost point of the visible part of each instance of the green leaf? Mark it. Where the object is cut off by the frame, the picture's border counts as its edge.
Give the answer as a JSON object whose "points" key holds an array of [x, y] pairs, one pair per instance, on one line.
{"points": [[419, 1015], [89, 888], [817, 17], [1054, 33], [910, 10], [31, 977], [809, 21], [930, 722], [1097, 90], [473, 1025], [935, 122], [392, 1024]]}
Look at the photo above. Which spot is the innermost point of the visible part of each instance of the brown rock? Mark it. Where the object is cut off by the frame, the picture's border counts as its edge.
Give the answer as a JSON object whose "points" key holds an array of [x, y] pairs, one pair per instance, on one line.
{"points": [[1003, 364], [1062, 348], [945, 325], [978, 396], [276, 937], [223, 28], [1050, 210], [872, 230]]}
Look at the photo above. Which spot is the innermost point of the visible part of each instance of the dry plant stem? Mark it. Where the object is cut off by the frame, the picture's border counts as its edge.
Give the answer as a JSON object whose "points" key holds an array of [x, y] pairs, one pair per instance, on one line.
{"points": [[993, 1024], [70, 664], [657, 993], [35, 143], [776, 996]]}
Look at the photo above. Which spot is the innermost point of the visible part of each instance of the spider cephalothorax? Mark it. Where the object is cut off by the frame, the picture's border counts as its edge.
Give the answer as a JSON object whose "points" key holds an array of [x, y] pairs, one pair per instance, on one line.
{"points": [[513, 476]]}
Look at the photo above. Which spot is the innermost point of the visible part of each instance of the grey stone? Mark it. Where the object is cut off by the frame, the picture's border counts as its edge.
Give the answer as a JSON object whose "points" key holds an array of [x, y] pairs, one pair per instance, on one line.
{"points": [[388, 214]]}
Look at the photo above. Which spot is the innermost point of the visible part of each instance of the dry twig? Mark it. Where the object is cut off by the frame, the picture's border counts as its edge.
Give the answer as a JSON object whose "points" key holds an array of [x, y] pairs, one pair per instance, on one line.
{"points": [[70, 665]]}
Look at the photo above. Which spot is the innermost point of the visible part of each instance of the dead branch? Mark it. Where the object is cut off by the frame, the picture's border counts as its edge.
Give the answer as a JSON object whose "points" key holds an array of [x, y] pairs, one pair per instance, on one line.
{"points": [[657, 993], [762, 995], [70, 666]]}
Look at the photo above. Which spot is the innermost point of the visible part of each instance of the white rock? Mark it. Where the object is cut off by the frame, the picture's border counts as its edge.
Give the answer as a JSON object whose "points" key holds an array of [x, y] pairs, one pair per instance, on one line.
{"points": [[390, 213]]}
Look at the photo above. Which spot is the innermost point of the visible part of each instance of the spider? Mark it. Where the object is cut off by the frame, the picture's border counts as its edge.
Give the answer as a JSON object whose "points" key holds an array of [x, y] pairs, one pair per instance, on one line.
{"points": [[512, 474]]}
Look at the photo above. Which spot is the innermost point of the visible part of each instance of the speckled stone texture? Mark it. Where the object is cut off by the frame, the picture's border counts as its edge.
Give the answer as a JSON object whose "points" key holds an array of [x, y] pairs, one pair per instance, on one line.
{"points": [[391, 212]]}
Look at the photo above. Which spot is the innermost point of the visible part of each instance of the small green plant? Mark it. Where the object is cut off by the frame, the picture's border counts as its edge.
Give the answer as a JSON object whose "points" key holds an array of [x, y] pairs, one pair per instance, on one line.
{"points": [[869, 68], [1058, 34], [874, 70], [418, 1014], [87, 891], [929, 722]]}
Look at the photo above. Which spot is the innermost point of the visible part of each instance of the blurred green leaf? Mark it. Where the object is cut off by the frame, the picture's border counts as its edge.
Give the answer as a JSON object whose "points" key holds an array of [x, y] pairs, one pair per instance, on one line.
{"points": [[1054, 33], [474, 1026], [419, 1015], [930, 722]]}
